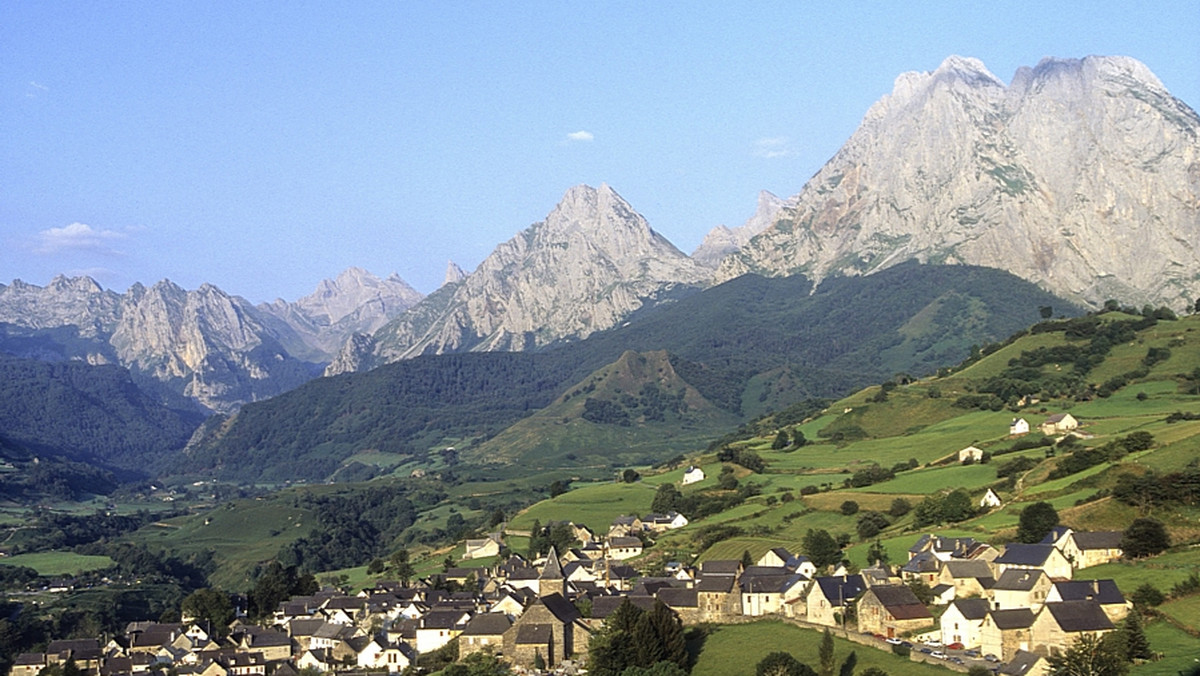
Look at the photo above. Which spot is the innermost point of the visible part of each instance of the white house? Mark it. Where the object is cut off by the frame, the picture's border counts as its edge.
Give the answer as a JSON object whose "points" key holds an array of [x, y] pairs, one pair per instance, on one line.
{"points": [[990, 499], [692, 475], [1018, 427], [970, 453], [1059, 423]]}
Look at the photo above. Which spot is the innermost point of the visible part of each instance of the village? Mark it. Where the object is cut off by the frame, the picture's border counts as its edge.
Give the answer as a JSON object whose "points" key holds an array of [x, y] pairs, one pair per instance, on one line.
{"points": [[1006, 608]]}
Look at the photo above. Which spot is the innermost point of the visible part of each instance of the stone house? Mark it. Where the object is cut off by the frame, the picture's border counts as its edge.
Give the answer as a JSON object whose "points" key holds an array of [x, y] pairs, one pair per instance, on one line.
{"points": [[891, 610], [967, 578], [1057, 625], [1103, 592], [484, 633], [1046, 558], [718, 597], [551, 627], [1087, 549], [624, 547], [830, 596], [482, 548], [1004, 632], [1020, 588]]}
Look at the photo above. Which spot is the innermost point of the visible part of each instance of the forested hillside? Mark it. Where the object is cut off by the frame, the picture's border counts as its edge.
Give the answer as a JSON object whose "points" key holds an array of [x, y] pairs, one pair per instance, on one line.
{"points": [[747, 346], [92, 414]]}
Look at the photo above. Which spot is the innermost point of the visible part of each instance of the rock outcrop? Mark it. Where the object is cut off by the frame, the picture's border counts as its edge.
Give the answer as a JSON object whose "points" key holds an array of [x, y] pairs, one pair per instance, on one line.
{"points": [[1082, 176], [587, 267]]}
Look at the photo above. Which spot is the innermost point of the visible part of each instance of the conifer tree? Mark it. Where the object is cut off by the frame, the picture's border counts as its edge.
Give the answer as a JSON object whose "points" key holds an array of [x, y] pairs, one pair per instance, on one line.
{"points": [[825, 654]]}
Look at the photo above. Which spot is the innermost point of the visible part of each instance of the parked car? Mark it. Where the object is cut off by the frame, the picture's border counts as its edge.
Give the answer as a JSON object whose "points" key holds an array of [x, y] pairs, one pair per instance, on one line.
{"points": [[972, 653], [991, 658], [894, 641], [938, 654], [955, 646]]}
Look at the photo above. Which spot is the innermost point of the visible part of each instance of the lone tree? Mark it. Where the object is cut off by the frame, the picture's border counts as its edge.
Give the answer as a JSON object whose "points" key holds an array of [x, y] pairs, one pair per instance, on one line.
{"points": [[821, 548], [1145, 537], [1090, 655], [825, 654], [1036, 521], [780, 663], [781, 441]]}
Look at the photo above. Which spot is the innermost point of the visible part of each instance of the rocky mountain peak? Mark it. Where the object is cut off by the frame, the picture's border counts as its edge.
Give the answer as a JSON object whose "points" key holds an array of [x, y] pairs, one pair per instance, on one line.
{"points": [[1082, 176], [587, 266], [454, 274], [722, 241]]}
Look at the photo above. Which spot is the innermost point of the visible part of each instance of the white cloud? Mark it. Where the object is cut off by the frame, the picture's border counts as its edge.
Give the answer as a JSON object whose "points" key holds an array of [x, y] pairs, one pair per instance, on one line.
{"points": [[770, 148], [580, 135], [79, 237]]}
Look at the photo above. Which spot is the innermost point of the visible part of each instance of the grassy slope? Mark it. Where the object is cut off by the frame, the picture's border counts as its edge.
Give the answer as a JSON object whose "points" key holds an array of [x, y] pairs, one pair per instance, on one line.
{"points": [[910, 424], [735, 649]]}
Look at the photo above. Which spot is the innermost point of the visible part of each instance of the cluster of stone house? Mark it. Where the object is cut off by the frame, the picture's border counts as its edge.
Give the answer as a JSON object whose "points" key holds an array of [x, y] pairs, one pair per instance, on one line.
{"points": [[1019, 602], [1011, 602], [1053, 425]]}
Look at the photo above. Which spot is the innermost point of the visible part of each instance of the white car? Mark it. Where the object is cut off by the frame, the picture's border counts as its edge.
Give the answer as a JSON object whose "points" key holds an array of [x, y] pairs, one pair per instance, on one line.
{"points": [[938, 654]]}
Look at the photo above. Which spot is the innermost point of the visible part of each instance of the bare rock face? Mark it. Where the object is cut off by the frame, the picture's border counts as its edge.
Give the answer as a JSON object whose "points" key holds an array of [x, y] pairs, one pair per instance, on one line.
{"points": [[1082, 176], [316, 326], [722, 241], [591, 263], [454, 274]]}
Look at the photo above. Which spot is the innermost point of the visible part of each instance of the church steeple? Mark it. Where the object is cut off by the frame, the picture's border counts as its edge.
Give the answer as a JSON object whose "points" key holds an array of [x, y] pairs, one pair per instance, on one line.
{"points": [[552, 580]]}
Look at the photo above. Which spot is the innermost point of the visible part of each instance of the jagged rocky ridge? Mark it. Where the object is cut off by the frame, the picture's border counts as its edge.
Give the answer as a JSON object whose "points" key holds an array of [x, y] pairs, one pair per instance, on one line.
{"points": [[1082, 176], [216, 349], [586, 268]]}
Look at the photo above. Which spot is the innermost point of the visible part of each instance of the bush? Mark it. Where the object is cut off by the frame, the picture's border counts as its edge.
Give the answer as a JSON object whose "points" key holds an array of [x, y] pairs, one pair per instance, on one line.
{"points": [[849, 508]]}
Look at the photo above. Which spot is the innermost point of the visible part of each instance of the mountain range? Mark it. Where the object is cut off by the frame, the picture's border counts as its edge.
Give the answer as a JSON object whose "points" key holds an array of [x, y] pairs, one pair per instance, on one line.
{"points": [[1081, 176]]}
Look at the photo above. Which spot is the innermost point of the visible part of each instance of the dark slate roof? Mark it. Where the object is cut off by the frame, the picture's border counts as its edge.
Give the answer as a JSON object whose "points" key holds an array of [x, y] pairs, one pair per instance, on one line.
{"points": [[534, 634], [79, 648], [765, 583], [441, 619], [624, 541], [900, 601], [676, 597], [488, 624], [971, 568], [1075, 616], [1054, 534], [1100, 591], [765, 570], [1018, 554], [1015, 618], [721, 584], [1020, 664], [972, 609], [1018, 579], [924, 562], [562, 609], [553, 569], [841, 588], [720, 567], [1098, 540], [921, 544]]}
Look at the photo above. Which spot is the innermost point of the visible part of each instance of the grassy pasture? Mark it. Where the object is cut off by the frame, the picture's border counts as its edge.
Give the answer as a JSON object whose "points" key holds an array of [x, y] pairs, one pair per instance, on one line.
{"points": [[52, 564], [735, 649], [594, 505]]}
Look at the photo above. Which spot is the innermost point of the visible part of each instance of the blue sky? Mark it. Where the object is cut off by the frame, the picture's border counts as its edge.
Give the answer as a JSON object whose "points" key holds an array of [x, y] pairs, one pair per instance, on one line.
{"points": [[263, 146]]}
